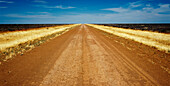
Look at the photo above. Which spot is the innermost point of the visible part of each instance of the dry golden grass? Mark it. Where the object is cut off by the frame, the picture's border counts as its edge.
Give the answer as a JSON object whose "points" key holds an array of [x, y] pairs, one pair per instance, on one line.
{"points": [[11, 39], [13, 43], [160, 41]]}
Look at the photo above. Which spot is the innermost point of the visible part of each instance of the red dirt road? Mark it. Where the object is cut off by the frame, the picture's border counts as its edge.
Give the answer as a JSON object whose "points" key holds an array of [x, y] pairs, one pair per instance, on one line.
{"points": [[81, 57]]}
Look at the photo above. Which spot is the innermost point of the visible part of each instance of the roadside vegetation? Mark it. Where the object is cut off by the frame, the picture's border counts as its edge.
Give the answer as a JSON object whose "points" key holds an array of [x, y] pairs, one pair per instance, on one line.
{"points": [[160, 41], [12, 43], [161, 28]]}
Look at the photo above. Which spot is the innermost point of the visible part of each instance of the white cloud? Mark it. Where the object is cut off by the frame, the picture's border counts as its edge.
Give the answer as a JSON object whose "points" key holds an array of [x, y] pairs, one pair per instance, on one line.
{"points": [[39, 1], [163, 8], [164, 5], [135, 4], [148, 8], [61, 7], [36, 12], [132, 17], [120, 9], [29, 16], [3, 7], [6, 2], [145, 14]]}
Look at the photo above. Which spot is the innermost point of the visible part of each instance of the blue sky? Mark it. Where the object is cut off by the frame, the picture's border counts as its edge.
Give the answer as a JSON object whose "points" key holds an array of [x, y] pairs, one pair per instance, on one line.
{"points": [[84, 11]]}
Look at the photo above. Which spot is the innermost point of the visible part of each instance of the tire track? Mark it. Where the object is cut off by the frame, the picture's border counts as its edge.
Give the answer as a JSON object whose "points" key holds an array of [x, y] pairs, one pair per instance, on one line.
{"points": [[122, 59], [90, 60]]}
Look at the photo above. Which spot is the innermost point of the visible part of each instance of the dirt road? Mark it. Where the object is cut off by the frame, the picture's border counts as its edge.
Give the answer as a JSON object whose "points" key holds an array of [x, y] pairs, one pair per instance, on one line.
{"points": [[81, 57]]}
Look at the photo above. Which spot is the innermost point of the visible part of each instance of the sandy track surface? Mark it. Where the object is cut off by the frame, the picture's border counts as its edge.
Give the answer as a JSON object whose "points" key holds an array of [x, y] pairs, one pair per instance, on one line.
{"points": [[80, 57]]}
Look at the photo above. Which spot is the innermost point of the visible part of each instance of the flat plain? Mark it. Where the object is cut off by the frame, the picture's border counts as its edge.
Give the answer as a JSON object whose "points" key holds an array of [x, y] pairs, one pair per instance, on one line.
{"points": [[86, 55]]}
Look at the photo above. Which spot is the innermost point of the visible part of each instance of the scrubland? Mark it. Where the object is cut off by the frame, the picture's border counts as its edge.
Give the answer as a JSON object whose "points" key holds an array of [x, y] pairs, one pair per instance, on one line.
{"points": [[160, 41]]}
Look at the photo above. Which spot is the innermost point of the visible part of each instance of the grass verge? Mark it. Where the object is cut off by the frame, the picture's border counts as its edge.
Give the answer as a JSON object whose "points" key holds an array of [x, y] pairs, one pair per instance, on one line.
{"points": [[13, 43], [160, 41]]}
